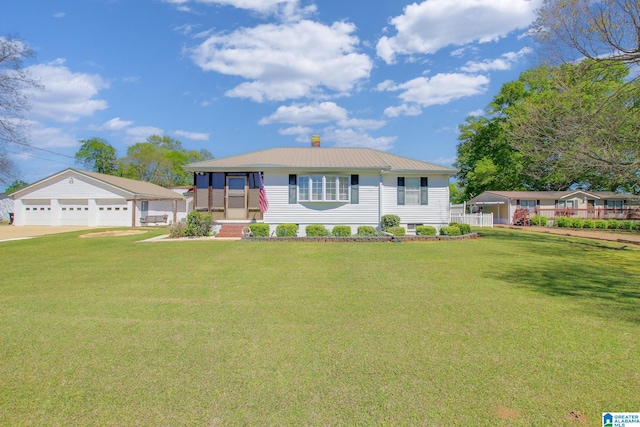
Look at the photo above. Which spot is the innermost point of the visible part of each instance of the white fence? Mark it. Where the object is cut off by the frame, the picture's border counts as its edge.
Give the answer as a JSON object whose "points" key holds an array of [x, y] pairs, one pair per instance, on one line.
{"points": [[478, 219]]}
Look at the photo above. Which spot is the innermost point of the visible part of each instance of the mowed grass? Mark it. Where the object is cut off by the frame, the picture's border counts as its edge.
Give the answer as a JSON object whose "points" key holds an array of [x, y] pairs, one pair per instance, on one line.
{"points": [[511, 329]]}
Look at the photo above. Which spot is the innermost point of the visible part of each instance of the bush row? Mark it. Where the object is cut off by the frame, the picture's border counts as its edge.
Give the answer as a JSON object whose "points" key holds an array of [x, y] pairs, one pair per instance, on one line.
{"points": [[602, 224]]}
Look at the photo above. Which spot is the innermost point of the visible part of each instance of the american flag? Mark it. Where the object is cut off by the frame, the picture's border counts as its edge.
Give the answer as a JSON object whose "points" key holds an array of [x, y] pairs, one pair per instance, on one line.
{"points": [[264, 203]]}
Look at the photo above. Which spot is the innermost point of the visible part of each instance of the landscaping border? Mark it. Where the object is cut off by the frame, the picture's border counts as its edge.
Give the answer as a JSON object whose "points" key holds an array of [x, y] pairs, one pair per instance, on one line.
{"points": [[381, 239]]}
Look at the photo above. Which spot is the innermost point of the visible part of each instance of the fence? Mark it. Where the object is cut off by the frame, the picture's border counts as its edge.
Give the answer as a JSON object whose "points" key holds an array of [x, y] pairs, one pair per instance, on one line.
{"points": [[478, 219]]}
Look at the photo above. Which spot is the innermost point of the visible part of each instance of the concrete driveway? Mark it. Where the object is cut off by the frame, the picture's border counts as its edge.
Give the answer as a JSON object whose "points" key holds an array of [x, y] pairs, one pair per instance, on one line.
{"points": [[11, 232]]}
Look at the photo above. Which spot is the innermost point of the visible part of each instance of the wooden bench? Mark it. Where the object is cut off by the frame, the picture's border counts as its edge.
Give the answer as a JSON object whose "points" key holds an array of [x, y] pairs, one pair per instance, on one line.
{"points": [[153, 219]]}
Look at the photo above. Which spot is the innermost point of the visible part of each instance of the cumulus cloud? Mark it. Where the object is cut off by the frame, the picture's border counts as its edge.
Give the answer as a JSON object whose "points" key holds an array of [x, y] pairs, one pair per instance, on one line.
{"points": [[193, 136], [67, 96], [286, 9], [427, 27], [362, 123], [505, 62], [286, 61], [440, 89], [306, 114], [141, 133], [354, 138], [42, 136], [113, 125]]}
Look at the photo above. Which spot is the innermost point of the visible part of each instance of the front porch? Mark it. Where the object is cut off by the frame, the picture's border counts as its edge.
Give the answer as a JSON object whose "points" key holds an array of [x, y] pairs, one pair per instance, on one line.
{"points": [[230, 196]]}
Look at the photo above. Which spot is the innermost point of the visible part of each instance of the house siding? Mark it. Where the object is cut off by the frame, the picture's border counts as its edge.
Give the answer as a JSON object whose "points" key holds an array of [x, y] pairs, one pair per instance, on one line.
{"points": [[435, 213]]}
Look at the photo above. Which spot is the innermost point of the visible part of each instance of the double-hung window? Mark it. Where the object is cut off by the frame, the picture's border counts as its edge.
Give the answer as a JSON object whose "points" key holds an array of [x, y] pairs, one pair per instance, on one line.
{"points": [[324, 188], [413, 190]]}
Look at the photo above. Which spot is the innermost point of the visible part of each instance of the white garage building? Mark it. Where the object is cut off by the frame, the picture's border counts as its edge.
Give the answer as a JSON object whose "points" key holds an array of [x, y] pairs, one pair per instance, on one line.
{"points": [[79, 198]]}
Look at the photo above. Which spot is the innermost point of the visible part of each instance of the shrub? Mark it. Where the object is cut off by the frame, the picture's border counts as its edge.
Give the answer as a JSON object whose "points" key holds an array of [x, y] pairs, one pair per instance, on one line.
{"points": [[341, 231], [317, 230], [625, 225], [601, 224], [636, 225], [464, 228], [389, 221], [450, 230], [576, 223], [588, 223], [426, 230], [397, 231], [613, 224], [198, 224], [538, 220], [177, 230], [259, 229], [563, 222], [287, 230], [366, 230]]}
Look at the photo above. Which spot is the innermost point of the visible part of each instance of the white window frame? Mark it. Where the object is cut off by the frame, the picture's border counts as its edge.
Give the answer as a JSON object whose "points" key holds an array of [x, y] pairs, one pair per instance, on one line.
{"points": [[338, 190]]}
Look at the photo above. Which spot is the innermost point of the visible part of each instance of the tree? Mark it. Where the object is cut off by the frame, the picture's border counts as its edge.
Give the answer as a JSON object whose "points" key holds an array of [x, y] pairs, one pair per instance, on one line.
{"points": [[603, 30], [16, 185], [160, 160], [98, 155], [15, 82]]}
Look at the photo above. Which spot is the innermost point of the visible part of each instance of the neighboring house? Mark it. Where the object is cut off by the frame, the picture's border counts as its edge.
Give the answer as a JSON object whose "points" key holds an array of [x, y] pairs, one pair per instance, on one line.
{"points": [[80, 198], [6, 207], [508, 206], [329, 186]]}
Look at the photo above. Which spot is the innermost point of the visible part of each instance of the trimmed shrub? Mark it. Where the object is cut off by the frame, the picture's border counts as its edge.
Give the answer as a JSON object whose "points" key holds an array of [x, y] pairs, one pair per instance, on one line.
{"points": [[464, 228], [636, 225], [601, 223], [563, 222], [198, 224], [450, 230], [259, 229], [397, 231], [625, 225], [366, 230], [426, 230], [538, 220], [613, 224], [316, 230], [341, 231], [588, 223], [388, 221], [286, 230], [576, 222]]}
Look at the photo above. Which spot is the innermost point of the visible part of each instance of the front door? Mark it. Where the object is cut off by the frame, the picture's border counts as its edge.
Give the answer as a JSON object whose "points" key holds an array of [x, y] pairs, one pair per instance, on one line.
{"points": [[236, 199]]}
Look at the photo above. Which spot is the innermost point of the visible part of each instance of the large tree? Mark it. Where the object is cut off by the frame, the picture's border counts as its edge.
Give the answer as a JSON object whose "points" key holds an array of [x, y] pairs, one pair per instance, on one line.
{"points": [[15, 83], [602, 30], [98, 155]]}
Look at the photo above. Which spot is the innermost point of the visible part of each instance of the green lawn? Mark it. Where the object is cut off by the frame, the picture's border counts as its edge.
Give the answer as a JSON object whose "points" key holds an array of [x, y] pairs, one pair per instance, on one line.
{"points": [[511, 329]]}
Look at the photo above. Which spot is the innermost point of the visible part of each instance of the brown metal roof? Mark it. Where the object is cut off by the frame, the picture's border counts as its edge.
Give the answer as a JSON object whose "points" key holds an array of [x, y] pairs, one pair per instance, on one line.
{"points": [[137, 189], [317, 158], [554, 195]]}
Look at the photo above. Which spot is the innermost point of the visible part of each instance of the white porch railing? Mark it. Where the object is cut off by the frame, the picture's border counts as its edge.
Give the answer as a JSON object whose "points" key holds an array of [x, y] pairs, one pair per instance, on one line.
{"points": [[477, 219]]}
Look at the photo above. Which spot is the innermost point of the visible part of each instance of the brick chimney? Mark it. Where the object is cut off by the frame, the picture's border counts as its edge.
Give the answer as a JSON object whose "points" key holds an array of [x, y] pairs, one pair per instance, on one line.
{"points": [[315, 141]]}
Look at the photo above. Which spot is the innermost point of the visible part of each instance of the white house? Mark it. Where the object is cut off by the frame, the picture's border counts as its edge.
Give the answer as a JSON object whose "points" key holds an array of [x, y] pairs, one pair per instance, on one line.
{"points": [[79, 198], [329, 186]]}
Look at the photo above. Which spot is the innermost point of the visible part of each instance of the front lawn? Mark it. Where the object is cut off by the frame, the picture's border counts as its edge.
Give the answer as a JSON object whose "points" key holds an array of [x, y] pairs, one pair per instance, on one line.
{"points": [[514, 328]]}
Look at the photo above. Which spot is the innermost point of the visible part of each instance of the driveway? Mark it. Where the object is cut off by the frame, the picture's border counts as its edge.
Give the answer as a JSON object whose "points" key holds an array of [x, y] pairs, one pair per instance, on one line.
{"points": [[11, 232]]}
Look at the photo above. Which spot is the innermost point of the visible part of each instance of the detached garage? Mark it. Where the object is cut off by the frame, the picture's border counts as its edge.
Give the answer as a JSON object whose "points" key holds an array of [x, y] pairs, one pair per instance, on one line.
{"points": [[79, 198]]}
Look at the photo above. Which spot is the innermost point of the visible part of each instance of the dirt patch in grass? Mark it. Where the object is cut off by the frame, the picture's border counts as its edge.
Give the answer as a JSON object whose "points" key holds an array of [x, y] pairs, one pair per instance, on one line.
{"points": [[577, 417], [113, 233], [505, 413]]}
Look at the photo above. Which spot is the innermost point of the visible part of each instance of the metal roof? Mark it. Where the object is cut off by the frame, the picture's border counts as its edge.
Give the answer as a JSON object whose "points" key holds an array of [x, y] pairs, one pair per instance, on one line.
{"points": [[318, 158], [553, 195]]}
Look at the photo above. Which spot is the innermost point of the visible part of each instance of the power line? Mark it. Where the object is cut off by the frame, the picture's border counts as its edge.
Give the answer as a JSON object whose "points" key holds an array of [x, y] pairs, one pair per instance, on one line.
{"points": [[36, 157]]}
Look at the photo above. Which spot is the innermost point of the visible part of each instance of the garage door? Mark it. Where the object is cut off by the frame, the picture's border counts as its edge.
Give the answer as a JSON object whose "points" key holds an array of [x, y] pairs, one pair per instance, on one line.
{"points": [[113, 213], [74, 212], [37, 212]]}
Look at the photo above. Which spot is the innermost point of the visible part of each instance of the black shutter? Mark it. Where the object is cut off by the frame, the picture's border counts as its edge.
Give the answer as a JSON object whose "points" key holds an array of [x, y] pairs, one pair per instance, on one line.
{"points": [[424, 190], [293, 189], [400, 190], [355, 189]]}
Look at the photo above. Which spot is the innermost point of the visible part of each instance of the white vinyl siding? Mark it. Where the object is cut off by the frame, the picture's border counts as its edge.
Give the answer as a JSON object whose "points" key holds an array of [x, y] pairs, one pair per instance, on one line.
{"points": [[435, 213]]}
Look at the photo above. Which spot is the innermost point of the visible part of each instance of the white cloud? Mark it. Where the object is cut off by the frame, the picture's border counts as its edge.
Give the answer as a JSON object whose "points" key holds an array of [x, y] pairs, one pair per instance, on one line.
{"points": [[362, 123], [194, 136], [286, 9], [476, 113], [42, 136], [505, 62], [141, 133], [307, 114], [437, 90], [431, 25], [295, 130], [353, 138], [114, 124], [286, 61], [67, 96], [59, 15], [403, 110]]}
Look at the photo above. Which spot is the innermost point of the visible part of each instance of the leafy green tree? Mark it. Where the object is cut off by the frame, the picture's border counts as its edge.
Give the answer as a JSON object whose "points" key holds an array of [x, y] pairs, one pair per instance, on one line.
{"points": [[16, 185], [98, 155], [456, 195]]}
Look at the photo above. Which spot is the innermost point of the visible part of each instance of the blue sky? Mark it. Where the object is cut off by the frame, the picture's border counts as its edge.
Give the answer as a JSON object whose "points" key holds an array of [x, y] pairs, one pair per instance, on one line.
{"points": [[234, 76]]}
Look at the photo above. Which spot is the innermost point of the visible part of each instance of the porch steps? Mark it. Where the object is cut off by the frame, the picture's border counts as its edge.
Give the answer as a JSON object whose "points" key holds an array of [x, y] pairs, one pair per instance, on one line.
{"points": [[231, 230]]}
